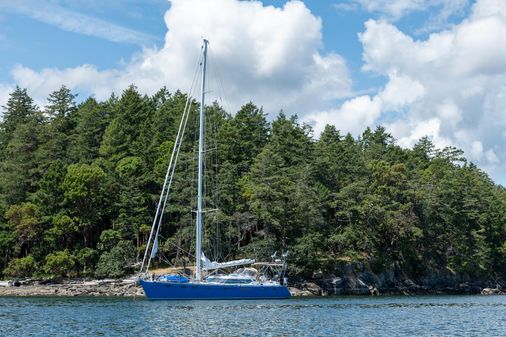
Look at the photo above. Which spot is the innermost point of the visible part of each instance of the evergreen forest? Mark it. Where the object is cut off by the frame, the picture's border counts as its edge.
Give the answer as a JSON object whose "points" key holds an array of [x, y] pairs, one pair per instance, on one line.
{"points": [[80, 183]]}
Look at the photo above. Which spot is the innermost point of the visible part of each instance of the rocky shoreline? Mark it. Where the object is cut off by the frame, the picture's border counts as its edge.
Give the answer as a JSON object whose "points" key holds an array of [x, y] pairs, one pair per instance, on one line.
{"points": [[125, 288], [120, 288], [357, 279], [353, 279], [315, 289]]}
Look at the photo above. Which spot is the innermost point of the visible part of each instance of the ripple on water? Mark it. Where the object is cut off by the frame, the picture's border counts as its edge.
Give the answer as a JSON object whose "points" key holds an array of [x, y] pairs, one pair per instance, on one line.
{"points": [[343, 316]]}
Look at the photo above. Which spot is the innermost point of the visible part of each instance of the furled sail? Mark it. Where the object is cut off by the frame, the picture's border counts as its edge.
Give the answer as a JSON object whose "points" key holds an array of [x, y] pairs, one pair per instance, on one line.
{"points": [[210, 265]]}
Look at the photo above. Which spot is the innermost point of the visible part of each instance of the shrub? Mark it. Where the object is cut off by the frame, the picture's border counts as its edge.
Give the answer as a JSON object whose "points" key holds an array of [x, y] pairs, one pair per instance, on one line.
{"points": [[108, 239], [87, 258], [22, 267], [117, 261], [59, 264]]}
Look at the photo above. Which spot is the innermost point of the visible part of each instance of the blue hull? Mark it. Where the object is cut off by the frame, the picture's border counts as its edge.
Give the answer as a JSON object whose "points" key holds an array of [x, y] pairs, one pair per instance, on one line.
{"points": [[205, 291]]}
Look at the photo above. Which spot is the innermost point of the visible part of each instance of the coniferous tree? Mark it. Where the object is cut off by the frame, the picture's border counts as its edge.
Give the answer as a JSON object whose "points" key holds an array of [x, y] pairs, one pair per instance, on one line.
{"points": [[91, 119], [79, 185], [18, 136]]}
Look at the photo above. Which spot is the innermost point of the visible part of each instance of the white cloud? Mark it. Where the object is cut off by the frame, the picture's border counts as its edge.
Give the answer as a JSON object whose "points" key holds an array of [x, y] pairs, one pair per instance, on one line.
{"points": [[346, 6], [492, 157], [446, 9], [87, 77], [462, 72], [4, 93], [450, 86], [353, 116], [363, 111], [400, 91], [262, 53], [409, 132], [449, 112], [476, 150], [393, 10], [486, 8], [52, 14]]}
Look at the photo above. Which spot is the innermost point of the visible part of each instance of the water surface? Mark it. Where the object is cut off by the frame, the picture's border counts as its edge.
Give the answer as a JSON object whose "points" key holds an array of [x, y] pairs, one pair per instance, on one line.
{"points": [[337, 316]]}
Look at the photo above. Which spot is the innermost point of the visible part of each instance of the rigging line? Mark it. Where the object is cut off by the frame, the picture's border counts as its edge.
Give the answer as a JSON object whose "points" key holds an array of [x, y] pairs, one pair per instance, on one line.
{"points": [[194, 183], [193, 186], [173, 171], [216, 192], [162, 256], [159, 203], [188, 253], [165, 183], [215, 185], [192, 162], [221, 88], [204, 168], [179, 138], [179, 141], [211, 184], [165, 259], [209, 164]]}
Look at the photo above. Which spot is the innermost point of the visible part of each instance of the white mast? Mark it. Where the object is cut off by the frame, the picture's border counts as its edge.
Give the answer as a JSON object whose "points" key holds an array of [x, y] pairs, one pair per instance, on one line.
{"points": [[198, 254]]}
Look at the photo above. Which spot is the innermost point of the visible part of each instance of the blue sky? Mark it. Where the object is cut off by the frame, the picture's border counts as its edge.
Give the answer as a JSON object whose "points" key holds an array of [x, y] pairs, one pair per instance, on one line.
{"points": [[23, 33], [31, 41], [419, 67]]}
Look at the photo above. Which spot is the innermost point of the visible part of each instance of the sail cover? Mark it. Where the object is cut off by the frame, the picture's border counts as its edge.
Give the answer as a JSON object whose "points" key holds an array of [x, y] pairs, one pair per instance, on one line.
{"points": [[209, 265]]}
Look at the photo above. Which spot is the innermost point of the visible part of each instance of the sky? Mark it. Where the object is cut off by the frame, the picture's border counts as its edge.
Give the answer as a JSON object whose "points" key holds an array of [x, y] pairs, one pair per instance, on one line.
{"points": [[433, 68]]}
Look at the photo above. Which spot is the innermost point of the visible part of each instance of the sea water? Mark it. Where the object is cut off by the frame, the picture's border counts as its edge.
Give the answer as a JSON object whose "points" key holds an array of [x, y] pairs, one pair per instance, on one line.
{"points": [[333, 316]]}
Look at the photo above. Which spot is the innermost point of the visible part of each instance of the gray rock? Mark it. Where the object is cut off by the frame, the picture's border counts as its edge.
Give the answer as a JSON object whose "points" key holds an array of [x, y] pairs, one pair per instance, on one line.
{"points": [[492, 291], [313, 288]]}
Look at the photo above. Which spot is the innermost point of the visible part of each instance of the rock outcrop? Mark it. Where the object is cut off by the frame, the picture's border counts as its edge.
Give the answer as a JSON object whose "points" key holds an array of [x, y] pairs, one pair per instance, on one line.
{"points": [[351, 279], [493, 291], [357, 279], [73, 288]]}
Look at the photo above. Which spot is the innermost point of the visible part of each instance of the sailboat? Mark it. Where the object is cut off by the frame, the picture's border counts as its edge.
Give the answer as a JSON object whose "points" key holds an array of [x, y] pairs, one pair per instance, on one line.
{"points": [[211, 280]]}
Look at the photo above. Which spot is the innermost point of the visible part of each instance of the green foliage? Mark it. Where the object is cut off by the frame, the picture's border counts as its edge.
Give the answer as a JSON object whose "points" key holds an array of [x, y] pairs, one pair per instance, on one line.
{"points": [[59, 264], [81, 182], [87, 258], [49, 195], [309, 256], [25, 225], [79, 185], [19, 110], [21, 267], [54, 133], [91, 120], [133, 201], [260, 248], [83, 196], [109, 238], [7, 244], [18, 167], [62, 233], [122, 137], [117, 261]]}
